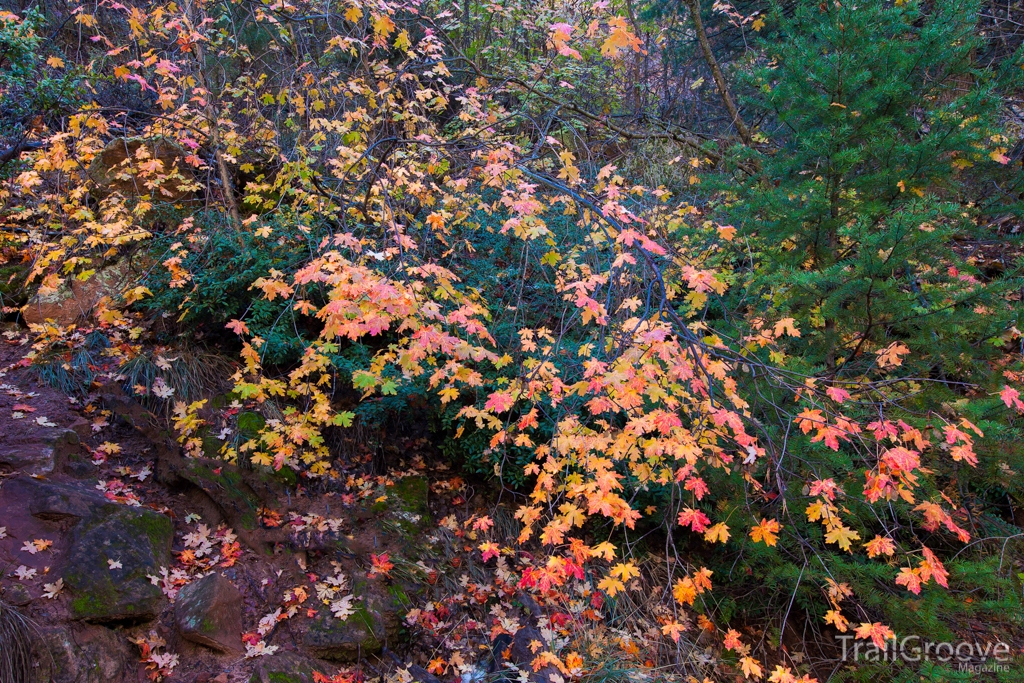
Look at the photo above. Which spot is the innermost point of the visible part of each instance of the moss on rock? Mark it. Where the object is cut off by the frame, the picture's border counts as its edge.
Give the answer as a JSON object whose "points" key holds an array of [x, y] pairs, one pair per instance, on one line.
{"points": [[411, 493], [250, 423], [226, 485], [362, 633], [287, 667], [141, 541]]}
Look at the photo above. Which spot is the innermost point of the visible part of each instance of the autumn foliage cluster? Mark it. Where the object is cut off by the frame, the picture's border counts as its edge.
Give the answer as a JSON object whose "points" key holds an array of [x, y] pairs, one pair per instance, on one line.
{"points": [[761, 367]]}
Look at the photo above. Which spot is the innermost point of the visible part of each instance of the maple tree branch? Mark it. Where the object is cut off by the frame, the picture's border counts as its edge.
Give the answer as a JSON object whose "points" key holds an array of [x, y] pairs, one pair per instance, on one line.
{"points": [[688, 141], [17, 148]]}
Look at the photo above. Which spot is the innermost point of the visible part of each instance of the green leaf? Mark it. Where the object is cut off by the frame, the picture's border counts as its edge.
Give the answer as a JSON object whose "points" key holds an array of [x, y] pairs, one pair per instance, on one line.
{"points": [[363, 380]]}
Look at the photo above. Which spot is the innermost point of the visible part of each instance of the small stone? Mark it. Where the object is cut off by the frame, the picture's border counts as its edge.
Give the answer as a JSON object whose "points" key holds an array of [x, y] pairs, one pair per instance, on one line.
{"points": [[36, 450], [209, 612], [17, 594]]}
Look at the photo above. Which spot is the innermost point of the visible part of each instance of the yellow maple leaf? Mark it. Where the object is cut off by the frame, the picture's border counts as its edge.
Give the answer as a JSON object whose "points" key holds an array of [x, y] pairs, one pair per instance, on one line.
{"points": [[750, 668], [842, 536], [136, 294], [815, 511], [572, 515], [402, 42], [625, 570], [717, 533], [999, 156], [353, 14], [604, 549], [611, 586], [383, 26]]}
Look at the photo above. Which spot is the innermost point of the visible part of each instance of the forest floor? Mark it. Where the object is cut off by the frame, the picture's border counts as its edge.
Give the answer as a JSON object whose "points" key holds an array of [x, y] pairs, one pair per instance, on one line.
{"points": [[326, 572], [374, 573]]}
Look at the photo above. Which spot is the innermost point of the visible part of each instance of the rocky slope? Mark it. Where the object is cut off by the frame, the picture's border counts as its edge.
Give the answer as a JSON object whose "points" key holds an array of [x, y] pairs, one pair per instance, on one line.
{"points": [[131, 562]]}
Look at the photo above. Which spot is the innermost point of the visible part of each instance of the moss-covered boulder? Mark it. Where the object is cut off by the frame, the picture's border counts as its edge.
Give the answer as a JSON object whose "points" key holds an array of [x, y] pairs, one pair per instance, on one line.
{"points": [[374, 624], [140, 540], [362, 633], [250, 424], [101, 530], [287, 667], [209, 612]]}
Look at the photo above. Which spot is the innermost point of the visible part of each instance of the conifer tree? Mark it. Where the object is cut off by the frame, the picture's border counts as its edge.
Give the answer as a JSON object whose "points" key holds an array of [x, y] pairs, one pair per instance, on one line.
{"points": [[886, 122]]}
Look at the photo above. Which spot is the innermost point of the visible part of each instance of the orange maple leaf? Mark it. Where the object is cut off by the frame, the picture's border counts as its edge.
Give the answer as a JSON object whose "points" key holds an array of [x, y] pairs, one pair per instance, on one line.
{"points": [[880, 546], [877, 632], [766, 531]]}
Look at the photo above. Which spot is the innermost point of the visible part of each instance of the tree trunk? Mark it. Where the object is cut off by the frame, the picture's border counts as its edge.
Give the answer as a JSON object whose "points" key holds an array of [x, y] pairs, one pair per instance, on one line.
{"points": [[716, 71], [212, 117]]}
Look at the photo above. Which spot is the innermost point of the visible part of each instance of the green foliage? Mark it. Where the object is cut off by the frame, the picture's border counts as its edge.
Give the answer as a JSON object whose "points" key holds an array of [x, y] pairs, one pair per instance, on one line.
{"points": [[223, 264], [859, 225], [884, 118], [19, 46]]}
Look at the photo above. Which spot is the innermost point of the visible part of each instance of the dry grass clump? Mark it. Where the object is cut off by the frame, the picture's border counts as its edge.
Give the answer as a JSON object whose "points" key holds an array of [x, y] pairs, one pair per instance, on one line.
{"points": [[16, 645]]}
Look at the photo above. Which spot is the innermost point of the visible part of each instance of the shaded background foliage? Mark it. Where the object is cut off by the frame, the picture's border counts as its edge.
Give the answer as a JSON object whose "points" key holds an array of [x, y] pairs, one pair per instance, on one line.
{"points": [[877, 201]]}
